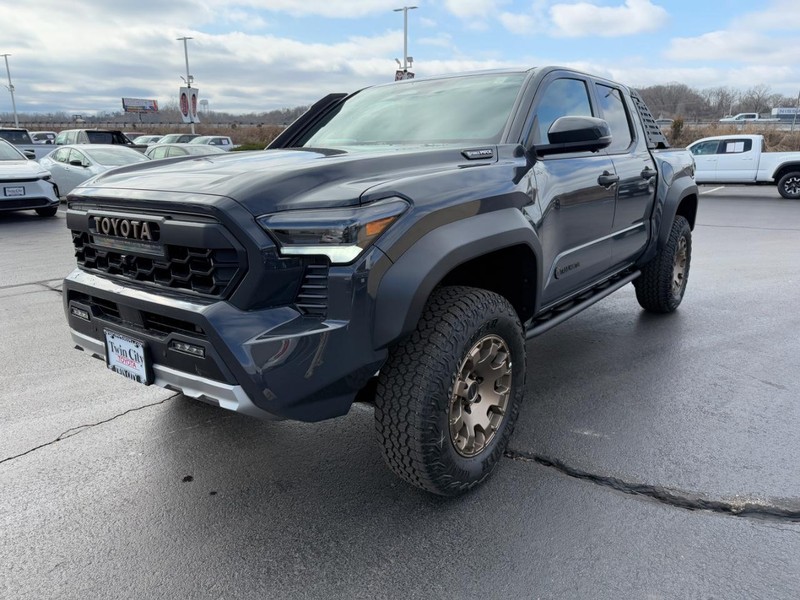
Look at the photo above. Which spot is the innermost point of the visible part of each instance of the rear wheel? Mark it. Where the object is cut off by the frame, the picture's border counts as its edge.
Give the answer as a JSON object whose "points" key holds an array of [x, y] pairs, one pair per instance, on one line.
{"points": [[449, 395], [662, 284], [789, 185], [50, 211]]}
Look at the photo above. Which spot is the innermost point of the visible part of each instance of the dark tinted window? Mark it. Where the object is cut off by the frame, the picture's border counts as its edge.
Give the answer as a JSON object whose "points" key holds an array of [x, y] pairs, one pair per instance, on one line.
{"points": [[561, 98], [613, 108]]}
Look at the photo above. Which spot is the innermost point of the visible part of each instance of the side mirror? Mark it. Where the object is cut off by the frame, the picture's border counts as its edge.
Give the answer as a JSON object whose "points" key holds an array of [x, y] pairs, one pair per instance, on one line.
{"points": [[76, 163], [576, 134], [29, 154]]}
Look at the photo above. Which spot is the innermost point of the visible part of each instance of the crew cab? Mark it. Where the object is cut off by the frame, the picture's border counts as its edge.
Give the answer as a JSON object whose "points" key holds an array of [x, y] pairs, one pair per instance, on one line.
{"points": [[395, 246], [21, 138], [97, 136], [744, 159]]}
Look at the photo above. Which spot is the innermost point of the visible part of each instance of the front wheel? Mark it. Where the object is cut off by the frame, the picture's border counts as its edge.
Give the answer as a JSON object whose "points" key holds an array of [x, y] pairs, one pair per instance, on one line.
{"points": [[662, 284], [789, 186], [448, 397]]}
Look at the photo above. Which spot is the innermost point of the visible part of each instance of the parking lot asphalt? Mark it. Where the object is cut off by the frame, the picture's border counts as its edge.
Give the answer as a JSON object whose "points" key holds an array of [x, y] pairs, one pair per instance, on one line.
{"points": [[655, 457]]}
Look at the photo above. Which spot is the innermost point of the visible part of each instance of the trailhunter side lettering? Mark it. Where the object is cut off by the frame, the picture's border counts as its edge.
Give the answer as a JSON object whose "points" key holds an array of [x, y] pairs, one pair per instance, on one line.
{"points": [[395, 246]]}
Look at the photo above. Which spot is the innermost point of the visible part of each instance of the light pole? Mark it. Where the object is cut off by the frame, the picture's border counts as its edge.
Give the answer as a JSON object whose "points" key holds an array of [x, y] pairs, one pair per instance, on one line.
{"points": [[188, 79], [405, 10], [10, 87]]}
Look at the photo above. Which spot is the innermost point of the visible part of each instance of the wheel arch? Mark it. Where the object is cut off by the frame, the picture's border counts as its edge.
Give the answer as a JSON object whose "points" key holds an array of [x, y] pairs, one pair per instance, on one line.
{"points": [[497, 251], [784, 169]]}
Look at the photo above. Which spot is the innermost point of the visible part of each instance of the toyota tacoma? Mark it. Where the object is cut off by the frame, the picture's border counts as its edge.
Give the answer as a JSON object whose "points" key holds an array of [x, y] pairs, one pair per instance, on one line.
{"points": [[396, 246]]}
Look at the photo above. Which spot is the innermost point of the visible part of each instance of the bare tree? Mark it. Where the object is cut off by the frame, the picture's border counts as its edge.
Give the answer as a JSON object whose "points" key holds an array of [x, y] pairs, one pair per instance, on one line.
{"points": [[757, 99]]}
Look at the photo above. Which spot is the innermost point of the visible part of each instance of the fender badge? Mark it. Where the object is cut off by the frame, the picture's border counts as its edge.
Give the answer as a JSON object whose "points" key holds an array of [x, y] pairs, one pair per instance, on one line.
{"points": [[478, 153]]}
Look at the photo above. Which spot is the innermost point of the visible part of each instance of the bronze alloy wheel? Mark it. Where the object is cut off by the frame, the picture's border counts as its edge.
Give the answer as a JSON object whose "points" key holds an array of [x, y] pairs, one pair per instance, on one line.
{"points": [[480, 396], [679, 267]]}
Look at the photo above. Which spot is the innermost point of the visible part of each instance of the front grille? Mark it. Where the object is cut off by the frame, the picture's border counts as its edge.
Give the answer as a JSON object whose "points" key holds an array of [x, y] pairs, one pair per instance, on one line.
{"points": [[206, 271], [166, 325], [312, 298]]}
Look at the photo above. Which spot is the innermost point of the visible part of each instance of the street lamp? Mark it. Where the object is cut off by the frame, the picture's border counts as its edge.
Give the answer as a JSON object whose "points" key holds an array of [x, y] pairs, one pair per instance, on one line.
{"points": [[405, 10], [10, 88], [188, 79]]}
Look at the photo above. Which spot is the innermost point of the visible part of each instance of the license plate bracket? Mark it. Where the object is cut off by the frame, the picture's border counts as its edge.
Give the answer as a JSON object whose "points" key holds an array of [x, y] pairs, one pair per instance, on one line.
{"points": [[128, 357], [14, 191]]}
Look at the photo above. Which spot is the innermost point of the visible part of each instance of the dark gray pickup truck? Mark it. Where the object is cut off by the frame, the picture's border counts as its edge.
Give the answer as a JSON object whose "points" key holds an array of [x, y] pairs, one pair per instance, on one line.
{"points": [[394, 246]]}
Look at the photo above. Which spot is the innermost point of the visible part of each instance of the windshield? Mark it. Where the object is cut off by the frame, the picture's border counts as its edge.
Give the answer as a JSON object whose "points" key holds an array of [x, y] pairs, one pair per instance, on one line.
{"points": [[114, 157], [16, 136], [8, 152], [472, 109]]}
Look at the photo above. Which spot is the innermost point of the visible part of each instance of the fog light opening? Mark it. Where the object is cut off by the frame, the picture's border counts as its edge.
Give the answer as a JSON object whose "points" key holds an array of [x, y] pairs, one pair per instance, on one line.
{"points": [[187, 348], [79, 312]]}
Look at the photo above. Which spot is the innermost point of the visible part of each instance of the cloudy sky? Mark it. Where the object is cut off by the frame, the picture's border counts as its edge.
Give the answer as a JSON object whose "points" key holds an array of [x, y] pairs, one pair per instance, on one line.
{"points": [[83, 56]]}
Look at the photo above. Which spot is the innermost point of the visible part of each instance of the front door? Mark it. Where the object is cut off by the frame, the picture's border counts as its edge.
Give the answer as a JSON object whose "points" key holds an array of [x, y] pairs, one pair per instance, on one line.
{"points": [[577, 203]]}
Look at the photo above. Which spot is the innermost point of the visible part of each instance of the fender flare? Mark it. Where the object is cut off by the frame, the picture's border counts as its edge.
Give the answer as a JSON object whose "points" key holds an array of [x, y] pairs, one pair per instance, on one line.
{"points": [[408, 283], [664, 213]]}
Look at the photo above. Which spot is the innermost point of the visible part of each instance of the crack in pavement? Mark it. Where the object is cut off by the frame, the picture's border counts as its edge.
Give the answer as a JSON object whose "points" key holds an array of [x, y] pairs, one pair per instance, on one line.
{"points": [[743, 507], [73, 431], [42, 282]]}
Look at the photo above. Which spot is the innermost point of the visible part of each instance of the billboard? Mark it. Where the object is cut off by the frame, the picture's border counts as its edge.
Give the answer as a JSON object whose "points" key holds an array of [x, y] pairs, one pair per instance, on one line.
{"points": [[187, 100], [139, 105]]}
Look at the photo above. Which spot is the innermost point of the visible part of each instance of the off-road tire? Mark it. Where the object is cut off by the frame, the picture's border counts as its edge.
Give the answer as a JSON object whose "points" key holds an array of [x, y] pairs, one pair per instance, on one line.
{"points": [[413, 401], [49, 211], [789, 185], [662, 284]]}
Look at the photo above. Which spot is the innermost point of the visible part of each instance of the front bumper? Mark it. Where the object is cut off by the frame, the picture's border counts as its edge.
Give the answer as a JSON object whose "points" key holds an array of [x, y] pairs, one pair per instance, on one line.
{"points": [[269, 363], [36, 193]]}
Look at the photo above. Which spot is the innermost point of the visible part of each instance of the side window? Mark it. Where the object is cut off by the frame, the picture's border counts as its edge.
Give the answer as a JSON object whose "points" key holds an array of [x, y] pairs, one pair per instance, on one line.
{"points": [[561, 98], [613, 109], [72, 137], [75, 155], [61, 155], [176, 152], [705, 148], [158, 153], [736, 146]]}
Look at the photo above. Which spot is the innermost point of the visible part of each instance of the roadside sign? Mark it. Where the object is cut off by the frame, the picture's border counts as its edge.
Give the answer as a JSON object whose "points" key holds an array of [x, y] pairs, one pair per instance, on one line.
{"points": [[400, 75]]}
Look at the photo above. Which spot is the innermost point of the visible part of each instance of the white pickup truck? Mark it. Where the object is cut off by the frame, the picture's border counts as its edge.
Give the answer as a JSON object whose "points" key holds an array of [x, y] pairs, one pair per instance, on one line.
{"points": [[748, 118], [744, 159]]}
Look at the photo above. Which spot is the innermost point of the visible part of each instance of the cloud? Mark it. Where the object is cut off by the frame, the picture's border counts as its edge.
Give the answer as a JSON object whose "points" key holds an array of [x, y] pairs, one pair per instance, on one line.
{"points": [[521, 24], [586, 19], [334, 9]]}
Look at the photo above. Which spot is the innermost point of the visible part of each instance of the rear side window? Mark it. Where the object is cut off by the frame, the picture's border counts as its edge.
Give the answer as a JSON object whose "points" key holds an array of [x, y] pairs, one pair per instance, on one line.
{"points": [[613, 108], [736, 146]]}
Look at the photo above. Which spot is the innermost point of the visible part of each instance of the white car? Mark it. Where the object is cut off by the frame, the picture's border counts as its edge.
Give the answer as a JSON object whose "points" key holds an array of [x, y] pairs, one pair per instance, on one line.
{"points": [[222, 142], [25, 184], [73, 164]]}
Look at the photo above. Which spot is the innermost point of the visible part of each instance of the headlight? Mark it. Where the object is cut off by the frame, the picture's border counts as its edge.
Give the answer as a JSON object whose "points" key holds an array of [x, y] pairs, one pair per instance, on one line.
{"points": [[341, 234]]}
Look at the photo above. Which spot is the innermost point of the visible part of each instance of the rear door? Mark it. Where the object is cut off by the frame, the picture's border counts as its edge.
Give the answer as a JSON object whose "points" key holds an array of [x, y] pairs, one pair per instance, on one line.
{"points": [[636, 169], [736, 161]]}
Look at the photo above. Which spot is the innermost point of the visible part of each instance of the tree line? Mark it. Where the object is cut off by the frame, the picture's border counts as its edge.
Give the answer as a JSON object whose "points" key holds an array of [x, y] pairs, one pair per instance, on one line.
{"points": [[679, 100]]}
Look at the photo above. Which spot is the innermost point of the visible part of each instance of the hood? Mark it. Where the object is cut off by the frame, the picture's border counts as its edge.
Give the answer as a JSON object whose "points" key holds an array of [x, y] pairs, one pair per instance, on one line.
{"points": [[274, 180], [21, 169]]}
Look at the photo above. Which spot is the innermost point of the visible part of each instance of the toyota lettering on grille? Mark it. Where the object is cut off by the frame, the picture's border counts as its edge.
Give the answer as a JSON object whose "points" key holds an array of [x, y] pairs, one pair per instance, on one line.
{"points": [[126, 228]]}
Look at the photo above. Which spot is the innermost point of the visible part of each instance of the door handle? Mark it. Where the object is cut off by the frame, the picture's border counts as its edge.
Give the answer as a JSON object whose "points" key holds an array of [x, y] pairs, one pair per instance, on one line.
{"points": [[607, 179], [648, 173]]}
